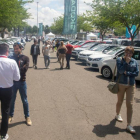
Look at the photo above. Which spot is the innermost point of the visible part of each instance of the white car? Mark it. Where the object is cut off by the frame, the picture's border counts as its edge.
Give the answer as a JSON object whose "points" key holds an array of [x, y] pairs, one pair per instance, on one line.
{"points": [[99, 49], [107, 65], [94, 61], [87, 46]]}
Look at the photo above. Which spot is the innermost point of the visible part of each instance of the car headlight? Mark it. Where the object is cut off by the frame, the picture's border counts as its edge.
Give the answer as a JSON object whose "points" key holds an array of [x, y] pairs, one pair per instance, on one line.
{"points": [[96, 59]]}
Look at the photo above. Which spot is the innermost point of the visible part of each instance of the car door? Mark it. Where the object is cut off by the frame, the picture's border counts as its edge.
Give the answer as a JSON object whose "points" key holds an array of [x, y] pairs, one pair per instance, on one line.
{"points": [[136, 56]]}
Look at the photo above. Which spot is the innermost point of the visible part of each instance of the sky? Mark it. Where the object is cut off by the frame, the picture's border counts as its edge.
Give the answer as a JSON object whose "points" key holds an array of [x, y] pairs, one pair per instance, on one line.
{"points": [[50, 9]]}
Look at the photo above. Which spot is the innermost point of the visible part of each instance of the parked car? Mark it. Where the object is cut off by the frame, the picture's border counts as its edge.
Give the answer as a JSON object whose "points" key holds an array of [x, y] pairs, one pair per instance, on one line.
{"points": [[137, 43], [86, 46], [84, 42], [124, 42], [94, 61], [72, 43], [76, 45], [106, 66], [100, 48]]}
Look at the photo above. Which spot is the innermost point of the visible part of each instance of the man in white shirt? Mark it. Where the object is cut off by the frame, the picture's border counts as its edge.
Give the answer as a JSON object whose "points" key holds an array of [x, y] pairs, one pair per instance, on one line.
{"points": [[46, 54], [9, 72]]}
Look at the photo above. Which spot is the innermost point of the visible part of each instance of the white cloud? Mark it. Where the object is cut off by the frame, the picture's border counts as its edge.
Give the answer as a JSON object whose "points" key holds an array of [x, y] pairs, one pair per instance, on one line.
{"points": [[50, 9]]}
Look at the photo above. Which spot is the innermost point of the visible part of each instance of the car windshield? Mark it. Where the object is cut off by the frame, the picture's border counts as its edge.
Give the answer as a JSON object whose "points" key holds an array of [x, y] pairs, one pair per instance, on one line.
{"points": [[89, 44], [74, 42], [80, 43], [99, 47], [114, 51]]}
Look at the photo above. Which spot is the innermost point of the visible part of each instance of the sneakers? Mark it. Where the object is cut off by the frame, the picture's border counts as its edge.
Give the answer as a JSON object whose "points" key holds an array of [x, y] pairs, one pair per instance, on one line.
{"points": [[130, 129], [119, 118], [28, 121], [5, 137], [35, 67], [10, 119]]}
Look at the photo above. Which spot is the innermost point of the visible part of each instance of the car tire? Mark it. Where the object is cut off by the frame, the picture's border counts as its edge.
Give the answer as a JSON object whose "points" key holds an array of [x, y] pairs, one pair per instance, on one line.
{"points": [[106, 72], [76, 58]]}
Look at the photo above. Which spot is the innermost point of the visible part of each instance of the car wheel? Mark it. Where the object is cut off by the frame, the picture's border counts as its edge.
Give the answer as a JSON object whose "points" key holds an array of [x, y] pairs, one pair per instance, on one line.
{"points": [[106, 72], [76, 58]]}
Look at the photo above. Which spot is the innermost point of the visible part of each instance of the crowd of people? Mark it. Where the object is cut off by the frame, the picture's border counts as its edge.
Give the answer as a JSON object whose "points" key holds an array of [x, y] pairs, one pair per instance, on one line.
{"points": [[62, 52], [13, 78]]}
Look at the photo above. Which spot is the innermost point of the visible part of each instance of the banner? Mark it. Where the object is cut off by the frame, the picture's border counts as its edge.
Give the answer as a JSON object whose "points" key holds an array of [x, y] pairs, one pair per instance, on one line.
{"points": [[133, 29], [40, 29], [70, 17]]}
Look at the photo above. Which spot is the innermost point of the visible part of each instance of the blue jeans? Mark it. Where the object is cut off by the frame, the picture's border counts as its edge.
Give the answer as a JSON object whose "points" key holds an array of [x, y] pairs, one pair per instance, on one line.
{"points": [[46, 60], [22, 87]]}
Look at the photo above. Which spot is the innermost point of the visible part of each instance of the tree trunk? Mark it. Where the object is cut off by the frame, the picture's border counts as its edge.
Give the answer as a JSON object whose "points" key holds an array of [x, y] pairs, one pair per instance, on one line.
{"points": [[18, 31], [14, 31], [3, 33], [102, 37], [132, 40]]}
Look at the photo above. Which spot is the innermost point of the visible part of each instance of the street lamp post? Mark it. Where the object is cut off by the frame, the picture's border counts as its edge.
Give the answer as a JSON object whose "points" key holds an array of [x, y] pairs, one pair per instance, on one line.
{"points": [[37, 18]]}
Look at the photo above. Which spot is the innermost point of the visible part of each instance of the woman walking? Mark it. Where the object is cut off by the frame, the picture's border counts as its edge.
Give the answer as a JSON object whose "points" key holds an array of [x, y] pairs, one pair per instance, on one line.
{"points": [[127, 70], [62, 53], [53, 45]]}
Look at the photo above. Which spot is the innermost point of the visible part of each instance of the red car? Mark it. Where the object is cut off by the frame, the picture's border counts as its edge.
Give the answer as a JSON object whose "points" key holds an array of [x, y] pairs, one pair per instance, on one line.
{"points": [[84, 42]]}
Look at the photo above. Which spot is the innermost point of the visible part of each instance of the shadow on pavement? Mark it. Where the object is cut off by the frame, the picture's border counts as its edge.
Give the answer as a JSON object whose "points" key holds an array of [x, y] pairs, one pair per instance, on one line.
{"points": [[17, 123], [55, 69], [101, 77], [30, 67], [81, 64], [53, 57], [91, 69], [110, 129], [40, 68], [137, 135], [137, 100]]}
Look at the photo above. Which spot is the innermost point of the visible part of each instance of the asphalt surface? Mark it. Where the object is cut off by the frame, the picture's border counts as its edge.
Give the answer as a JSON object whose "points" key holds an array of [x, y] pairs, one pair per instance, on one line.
{"points": [[70, 104]]}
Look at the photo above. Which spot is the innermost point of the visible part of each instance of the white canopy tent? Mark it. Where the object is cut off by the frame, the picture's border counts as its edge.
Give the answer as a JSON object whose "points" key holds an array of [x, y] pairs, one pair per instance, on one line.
{"points": [[50, 35], [91, 36]]}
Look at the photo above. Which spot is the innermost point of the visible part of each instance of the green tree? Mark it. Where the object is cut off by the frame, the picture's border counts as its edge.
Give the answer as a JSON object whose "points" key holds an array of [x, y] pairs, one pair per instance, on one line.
{"points": [[120, 31], [34, 29], [46, 29], [83, 23], [29, 29], [57, 26], [12, 14], [127, 12]]}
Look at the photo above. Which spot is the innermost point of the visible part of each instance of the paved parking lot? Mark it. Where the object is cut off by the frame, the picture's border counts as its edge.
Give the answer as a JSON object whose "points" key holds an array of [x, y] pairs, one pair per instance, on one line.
{"points": [[70, 105]]}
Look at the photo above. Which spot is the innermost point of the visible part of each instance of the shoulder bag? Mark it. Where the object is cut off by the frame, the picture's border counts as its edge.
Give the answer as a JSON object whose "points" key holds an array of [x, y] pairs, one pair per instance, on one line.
{"points": [[113, 87]]}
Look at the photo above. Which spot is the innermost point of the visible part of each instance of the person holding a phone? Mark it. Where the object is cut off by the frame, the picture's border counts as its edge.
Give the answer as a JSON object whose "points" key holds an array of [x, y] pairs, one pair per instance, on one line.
{"points": [[127, 70]]}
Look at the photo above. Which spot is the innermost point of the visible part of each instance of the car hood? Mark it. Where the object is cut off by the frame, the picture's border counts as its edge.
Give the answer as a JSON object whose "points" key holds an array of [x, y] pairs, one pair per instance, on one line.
{"points": [[75, 46], [87, 52], [100, 55], [80, 49]]}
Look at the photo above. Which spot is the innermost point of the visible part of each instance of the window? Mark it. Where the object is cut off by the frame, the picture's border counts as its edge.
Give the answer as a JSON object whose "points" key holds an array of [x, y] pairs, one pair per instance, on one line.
{"points": [[136, 55]]}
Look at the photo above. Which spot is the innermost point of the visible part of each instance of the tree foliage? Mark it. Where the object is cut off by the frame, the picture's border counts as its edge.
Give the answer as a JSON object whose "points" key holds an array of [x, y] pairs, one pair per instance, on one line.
{"points": [[12, 13], [57, 26], [126, 12], [82, 23]]}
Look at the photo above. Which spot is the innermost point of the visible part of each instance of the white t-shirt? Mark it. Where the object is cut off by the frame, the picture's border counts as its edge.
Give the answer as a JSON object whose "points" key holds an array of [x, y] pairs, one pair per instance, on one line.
{"points": [[35, 50], [46, 50], [9, 72]]}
